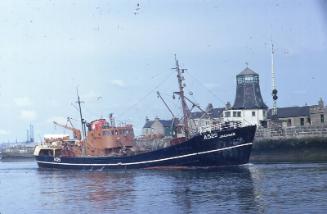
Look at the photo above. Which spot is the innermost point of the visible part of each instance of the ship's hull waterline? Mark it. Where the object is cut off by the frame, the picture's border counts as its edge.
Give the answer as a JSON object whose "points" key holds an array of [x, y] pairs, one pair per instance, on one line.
{"points": [[214, 149]]}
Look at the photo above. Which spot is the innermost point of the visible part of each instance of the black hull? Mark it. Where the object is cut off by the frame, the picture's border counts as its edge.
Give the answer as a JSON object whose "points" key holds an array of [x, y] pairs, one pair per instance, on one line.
{"points": [[218, 148]]}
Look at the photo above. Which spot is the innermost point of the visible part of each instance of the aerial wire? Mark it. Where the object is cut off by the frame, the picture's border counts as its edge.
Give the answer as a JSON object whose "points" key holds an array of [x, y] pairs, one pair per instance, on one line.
{"points": [[211, 92], [152, 91]]}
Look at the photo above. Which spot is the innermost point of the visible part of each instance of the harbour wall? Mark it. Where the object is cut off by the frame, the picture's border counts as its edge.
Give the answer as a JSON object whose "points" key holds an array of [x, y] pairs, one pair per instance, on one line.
{"points": [[289, 149], [291, 132]]}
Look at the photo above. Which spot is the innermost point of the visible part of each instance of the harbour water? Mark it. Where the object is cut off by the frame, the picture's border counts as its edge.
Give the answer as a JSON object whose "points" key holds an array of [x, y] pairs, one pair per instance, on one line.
{"points": [[254, 188]]}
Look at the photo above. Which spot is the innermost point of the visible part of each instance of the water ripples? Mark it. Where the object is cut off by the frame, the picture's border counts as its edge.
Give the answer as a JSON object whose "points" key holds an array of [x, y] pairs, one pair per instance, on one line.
{"points": [[276, 188]]}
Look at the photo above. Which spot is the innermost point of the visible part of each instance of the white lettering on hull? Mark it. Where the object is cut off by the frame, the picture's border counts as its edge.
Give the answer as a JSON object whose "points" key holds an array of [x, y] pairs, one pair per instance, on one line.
{"points": [[215, 135]]}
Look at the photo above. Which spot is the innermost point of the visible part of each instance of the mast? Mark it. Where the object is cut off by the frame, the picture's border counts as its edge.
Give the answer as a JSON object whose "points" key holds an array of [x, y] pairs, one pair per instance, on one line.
{"points": [[274, 90], [83, 125], [186, 111]]}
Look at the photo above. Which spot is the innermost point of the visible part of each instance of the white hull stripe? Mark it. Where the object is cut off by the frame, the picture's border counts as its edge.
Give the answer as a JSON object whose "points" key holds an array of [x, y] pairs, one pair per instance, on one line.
{"points": [[143, 162]]}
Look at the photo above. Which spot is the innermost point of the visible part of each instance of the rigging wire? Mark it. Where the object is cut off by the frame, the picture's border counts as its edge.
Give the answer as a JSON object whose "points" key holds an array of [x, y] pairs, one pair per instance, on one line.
{"points": [[210, 91], [92, 112], [146, 95]]}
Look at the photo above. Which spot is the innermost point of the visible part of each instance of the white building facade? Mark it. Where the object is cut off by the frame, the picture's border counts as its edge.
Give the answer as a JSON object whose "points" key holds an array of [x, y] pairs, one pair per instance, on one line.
{"points": [[248, 108], [246, 116]]}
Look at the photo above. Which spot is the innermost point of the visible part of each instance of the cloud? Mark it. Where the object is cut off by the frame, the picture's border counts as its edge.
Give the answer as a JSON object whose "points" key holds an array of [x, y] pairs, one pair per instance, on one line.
{"points": [[23, 101], [119, 83], [28, 115], [3, 132]]}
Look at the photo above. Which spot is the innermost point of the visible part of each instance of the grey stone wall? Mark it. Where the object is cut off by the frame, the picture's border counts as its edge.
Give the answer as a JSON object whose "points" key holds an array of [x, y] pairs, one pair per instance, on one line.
{"points": [[315, 114], [291, 132]]}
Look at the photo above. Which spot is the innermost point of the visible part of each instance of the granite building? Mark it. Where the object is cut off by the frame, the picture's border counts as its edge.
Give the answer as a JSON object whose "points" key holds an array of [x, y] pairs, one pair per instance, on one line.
{"points": [[301, 116]]}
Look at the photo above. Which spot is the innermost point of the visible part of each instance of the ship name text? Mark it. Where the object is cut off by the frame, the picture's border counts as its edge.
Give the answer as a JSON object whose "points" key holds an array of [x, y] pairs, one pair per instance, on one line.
{"points": [[215, 135]]}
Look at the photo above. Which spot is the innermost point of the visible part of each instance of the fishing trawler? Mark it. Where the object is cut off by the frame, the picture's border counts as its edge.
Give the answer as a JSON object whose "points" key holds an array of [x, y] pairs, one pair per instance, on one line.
{"points": [[106, 146]]}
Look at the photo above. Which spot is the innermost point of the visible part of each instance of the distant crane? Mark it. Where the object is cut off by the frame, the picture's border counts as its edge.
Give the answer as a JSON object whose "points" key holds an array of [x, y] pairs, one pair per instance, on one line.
{"points": [[76, 132]]}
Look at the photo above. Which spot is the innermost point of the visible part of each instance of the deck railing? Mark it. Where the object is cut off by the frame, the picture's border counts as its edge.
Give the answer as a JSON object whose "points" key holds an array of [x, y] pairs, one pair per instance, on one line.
{"points": [[219, 126]]}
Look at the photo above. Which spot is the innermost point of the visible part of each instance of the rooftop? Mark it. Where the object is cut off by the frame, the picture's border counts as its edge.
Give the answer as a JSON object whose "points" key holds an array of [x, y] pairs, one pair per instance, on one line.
{"points": [[286, 112], [165, 123], [214, 113], [247, 71]]}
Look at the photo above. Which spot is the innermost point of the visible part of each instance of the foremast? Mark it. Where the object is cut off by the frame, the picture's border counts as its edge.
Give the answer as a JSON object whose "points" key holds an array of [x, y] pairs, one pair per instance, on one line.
{"points": [[83, 123], [181, 84]]}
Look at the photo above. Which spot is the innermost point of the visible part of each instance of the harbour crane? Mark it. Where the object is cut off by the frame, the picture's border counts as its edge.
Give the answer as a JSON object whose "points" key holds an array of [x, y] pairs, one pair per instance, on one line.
{"points": [[76, 132]]}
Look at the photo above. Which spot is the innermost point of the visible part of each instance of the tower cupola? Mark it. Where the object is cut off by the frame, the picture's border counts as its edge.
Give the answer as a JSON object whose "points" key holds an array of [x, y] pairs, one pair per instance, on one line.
{"points": [[248, 94]]}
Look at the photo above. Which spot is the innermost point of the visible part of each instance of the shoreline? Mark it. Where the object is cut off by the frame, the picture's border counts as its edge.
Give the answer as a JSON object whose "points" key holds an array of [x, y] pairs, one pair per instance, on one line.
{"points": [[290, 150]]}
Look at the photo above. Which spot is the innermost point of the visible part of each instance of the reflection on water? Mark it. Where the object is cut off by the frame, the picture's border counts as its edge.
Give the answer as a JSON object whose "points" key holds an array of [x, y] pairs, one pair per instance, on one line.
{"points": [[279, 188], [213, 190], [87, 190]]}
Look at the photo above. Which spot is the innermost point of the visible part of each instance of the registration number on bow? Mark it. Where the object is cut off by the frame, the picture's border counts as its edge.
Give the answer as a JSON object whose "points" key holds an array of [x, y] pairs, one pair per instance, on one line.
{"points": [[215, 135]]}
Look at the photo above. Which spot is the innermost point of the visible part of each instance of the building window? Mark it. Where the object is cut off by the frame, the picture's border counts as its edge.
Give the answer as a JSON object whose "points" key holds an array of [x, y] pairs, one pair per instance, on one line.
{"points": [[238, 114], [322, 118], [249, 79], [227, 114], [302, 121], [253, 114], [234, 113], [289, 122], [309, 120], [240, 80]]}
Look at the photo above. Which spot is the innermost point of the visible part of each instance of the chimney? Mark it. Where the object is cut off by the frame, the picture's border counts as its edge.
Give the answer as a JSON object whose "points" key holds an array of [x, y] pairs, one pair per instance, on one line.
{"points": [[321, 103], [228, 106]]}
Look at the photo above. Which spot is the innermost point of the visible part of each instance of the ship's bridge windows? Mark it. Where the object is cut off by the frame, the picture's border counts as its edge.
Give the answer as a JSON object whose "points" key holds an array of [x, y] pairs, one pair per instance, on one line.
{"points": [[106, 133]]}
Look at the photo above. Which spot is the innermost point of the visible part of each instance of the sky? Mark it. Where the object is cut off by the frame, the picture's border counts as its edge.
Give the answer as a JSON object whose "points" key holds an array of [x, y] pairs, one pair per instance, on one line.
{"points": [[118, 56]]}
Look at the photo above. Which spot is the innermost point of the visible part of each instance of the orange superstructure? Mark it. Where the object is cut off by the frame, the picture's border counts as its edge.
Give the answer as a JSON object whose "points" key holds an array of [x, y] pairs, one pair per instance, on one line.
{"points": [[97, 138], [104, 138]]}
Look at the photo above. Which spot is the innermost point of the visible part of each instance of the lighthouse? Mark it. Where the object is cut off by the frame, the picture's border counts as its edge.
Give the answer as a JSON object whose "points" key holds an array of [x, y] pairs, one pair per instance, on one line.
{"points": [[248, 94], [249, 107]]}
